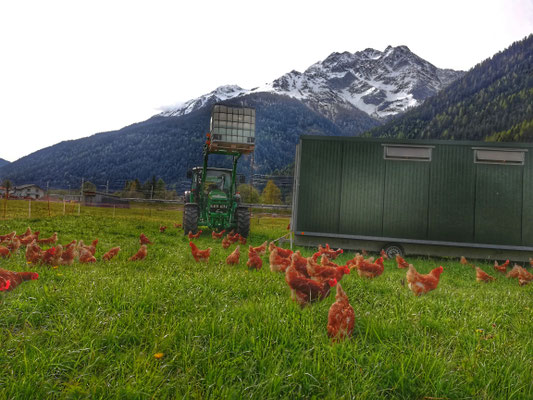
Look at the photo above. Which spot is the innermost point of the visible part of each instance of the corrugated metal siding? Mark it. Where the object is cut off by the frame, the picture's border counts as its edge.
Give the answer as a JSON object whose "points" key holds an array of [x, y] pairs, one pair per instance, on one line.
{"points": [[363, 174], [498, 217], [320, 183], [527, 205], [452, 193], [405, 209]]}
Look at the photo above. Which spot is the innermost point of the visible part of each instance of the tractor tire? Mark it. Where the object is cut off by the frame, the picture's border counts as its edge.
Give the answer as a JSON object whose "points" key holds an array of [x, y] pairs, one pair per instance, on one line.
{"points": [[242, 215], [190, 218]]}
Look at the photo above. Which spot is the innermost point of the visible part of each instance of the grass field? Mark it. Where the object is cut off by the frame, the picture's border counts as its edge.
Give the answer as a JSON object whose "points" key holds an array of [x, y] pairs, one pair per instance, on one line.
{"points": [[92, 331]]}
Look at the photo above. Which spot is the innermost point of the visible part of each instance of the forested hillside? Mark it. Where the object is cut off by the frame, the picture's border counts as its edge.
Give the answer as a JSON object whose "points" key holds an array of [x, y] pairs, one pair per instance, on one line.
{"points": [[492, 101]]}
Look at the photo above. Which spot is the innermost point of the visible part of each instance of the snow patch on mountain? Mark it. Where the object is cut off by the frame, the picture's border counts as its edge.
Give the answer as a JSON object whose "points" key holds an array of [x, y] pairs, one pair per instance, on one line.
{"points": [[379, 83]]}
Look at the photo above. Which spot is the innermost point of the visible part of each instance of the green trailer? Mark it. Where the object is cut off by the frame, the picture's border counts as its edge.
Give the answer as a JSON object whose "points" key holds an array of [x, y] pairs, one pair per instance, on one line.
{"points": [[425, 197]]}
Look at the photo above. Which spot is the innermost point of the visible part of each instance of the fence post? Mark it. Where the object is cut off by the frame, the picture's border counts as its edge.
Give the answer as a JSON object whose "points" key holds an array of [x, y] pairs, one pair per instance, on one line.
{"points": [[64, 206], [29, 208], [79, 207], [113, 211]]}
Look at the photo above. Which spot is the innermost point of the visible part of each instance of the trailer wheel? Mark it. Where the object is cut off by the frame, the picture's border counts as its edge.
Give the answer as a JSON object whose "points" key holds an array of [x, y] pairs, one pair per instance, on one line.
{"points": [[392, 250], [242, 215], [190, 218]]}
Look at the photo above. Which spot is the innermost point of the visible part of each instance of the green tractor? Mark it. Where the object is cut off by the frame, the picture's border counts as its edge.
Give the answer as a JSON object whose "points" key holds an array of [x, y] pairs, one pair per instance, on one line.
{"points": [[213, 200]]}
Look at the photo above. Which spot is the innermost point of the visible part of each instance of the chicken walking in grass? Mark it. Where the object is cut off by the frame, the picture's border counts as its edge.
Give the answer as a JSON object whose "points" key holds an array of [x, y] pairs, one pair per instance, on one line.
{"points": [[281, 251], [9, 280], [4, 252], [305, 290], [217, 235], [200, 255], [261, 250], [341, 317], [423, 283], [323, 272], [401, 262], [194, 235], [144, 239], [162, 228], [254, 261], [50, 240], [524, 277], [85, 255], [111, 253], [140, 255], [501, 268], [233, 258], [277, 262], [482, 276], [367, 269]]}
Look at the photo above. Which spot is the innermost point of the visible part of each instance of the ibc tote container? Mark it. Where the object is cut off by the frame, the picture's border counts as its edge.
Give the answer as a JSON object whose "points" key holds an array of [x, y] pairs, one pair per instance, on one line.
{"points": [[232, 128]]}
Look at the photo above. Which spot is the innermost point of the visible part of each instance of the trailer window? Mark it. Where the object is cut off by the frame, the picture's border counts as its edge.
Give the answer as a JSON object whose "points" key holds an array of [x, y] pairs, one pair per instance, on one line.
{"points": [[499, 156], [407, 153]]}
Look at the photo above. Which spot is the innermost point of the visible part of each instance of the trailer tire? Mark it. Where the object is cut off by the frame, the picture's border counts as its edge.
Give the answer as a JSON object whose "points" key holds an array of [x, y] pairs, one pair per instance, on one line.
{"points": [[242, 215], [392, 250], [190, 218]]}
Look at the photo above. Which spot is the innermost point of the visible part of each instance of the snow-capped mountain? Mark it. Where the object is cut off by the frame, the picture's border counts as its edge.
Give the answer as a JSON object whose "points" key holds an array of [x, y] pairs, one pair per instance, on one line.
{"points": [[379, 83]]}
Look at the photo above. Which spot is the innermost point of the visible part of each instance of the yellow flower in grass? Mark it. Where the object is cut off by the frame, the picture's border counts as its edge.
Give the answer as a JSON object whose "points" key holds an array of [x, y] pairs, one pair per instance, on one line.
{"points": [[480, 330], [55, 267], [158, 356]]}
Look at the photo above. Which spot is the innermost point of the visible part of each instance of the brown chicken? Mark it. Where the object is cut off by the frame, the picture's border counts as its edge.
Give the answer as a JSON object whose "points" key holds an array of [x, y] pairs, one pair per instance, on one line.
{"points": [[524, 277], [10, 280], [515, 272], [29, 238], [329, 252], [14, 245], [177, 225], [92, 247], [140, 255], [281, 251], [324, 272], [218, 235], [278, 263], [26, 233], [383, 254], [482, 276], [51, 239], [261, 250], [233, 258], [300, 263], [8, 237], [254, 261], [501, 268], [367, 269], [162, 228], [233, 238], [70, 253], [226, 243], [242, 240], [531, 261], [401, 262], [200, 255], [305, 290], [33, 252], [423, 283], [48, 256], [144, 239], [111, 253], [85, 255], [194, 235], [4, 252], [341, 317]]}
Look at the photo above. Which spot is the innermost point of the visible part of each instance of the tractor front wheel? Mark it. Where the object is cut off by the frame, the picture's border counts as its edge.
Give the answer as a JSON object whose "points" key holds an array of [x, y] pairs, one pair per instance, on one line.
{"points": [[242, 215], [190, 218]]}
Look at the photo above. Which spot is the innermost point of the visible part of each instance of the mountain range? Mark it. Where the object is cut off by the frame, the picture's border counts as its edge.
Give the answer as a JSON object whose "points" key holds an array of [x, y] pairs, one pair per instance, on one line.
{"points": [[384, 93], [3, 162]]}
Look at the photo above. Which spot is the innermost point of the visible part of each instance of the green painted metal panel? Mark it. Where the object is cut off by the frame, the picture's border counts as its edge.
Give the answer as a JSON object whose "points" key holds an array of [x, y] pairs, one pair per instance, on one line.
{"points": [[527, 202], [362, 191], [405, 208], [498, 216], [320, 180], [452, 194]]}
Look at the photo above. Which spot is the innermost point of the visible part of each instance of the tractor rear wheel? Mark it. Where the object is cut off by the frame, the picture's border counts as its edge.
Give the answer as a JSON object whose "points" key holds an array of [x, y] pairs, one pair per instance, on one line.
{"points": [[190, 218], [242, 215]]}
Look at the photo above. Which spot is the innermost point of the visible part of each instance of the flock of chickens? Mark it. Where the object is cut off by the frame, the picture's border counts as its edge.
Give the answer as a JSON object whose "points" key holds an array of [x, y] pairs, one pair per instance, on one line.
{"points": [[309, 279], [56, 255]]}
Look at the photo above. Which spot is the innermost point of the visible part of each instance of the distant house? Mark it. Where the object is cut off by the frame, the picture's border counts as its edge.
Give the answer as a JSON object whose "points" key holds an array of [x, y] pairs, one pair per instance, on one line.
{"points": [[30, 191], [99, 199], [3, 191]]}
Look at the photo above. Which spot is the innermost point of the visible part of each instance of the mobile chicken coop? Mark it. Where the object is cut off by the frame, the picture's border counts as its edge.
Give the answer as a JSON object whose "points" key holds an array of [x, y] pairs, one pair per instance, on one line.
{"points": [[426, 197]]}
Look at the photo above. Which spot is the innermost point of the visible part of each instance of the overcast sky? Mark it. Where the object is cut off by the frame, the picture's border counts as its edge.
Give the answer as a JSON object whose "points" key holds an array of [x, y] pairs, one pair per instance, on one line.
{"points": [[69, 69]]}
